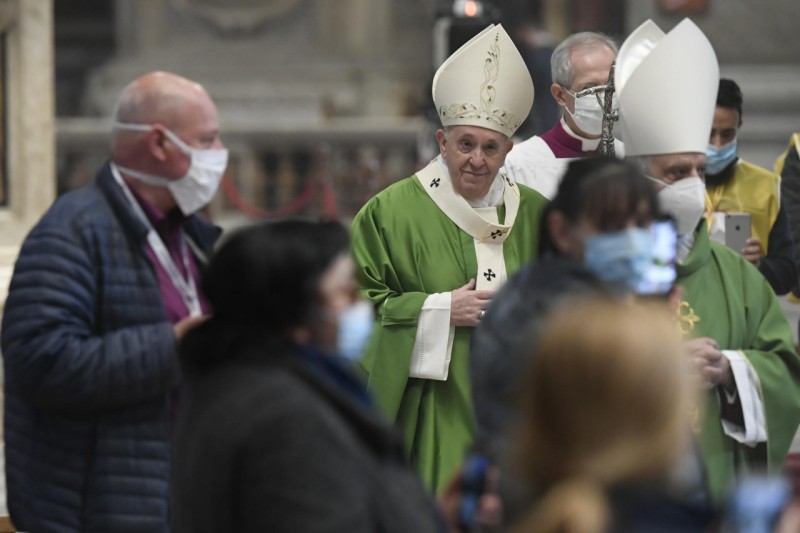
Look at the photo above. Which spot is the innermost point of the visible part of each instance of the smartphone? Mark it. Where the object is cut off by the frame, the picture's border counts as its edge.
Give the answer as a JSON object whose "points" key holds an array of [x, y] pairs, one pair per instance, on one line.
{"points": [[661, 273], [473, 485], [737, 230]]}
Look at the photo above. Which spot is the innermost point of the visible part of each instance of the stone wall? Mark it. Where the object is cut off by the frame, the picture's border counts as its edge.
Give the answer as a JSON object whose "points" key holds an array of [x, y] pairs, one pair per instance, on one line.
{"points": [[742, 31]]}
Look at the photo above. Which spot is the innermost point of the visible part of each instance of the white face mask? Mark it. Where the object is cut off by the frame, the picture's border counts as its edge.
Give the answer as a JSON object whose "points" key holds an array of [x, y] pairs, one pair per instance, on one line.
{"points": [[685, 200], [194, 190], [588, 115]]}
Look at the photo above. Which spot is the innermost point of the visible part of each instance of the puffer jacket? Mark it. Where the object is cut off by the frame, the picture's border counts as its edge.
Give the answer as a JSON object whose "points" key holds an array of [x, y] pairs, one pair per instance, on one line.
{"points": [[790, 197], [90, 362]]}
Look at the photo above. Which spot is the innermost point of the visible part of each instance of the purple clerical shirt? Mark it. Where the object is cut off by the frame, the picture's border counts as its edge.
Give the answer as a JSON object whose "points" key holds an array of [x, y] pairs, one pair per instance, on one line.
{"points": [[169, 228], [565, 145]]}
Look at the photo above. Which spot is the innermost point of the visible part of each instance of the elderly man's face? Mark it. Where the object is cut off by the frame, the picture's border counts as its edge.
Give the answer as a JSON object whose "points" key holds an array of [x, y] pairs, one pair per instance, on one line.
{"points": [[198, 127], [669, 168], [590, 68], [473, 155]]}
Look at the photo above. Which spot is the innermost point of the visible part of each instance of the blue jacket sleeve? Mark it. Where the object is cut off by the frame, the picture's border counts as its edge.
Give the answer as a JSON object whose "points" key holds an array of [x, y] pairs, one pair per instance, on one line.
{"points": [[63, 349]]}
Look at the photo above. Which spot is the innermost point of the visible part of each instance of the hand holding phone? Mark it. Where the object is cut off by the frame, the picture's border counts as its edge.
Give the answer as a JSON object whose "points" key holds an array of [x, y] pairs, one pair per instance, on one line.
{"points": [[737, 230], [473, 485]]}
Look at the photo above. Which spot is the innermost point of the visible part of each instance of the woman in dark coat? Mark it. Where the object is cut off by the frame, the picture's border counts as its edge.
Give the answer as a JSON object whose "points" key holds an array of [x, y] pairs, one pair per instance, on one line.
{"points": [[275, 432]]}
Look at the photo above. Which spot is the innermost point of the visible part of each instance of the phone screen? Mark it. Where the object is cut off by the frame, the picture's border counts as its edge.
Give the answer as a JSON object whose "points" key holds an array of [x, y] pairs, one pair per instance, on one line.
{"points": [[660, 275], [473, 485]]}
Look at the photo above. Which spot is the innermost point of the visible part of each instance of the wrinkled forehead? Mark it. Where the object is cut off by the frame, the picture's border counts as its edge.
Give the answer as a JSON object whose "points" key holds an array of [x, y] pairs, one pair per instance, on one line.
{"points": [[475, 133]]}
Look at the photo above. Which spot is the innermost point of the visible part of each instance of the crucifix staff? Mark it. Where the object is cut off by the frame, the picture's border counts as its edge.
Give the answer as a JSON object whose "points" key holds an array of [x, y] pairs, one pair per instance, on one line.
{"points": [[610, 115]]}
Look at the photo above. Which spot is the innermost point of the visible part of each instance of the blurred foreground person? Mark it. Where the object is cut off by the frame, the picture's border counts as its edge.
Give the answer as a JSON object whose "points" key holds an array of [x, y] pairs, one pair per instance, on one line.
{"points": [[601, 235], [104, 286], [604, 419], [594, 239], [275, 431]]}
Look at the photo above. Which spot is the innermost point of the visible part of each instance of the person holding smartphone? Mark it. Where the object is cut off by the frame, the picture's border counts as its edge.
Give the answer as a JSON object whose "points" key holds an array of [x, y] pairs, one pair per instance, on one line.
{"points": [[602, 235], [735, 186], [589, 458]]}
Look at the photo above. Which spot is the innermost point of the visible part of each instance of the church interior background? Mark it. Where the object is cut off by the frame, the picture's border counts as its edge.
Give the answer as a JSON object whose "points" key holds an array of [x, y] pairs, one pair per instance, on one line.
{"points": [[322, 102]]}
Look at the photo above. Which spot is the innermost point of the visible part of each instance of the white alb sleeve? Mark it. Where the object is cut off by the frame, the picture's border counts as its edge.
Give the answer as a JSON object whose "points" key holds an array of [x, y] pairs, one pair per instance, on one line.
{"points": [[748, 388], [430, 358]]}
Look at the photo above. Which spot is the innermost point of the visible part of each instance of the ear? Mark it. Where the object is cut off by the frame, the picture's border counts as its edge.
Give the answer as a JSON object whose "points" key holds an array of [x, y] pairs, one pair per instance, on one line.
{"points": [[557, 91], [156, 143], [441, 140], [560, 232]]}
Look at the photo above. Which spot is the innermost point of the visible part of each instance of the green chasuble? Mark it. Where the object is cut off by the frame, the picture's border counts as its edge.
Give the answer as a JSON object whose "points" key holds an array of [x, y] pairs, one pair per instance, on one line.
{"points": [[406, 249], [728, 300]]}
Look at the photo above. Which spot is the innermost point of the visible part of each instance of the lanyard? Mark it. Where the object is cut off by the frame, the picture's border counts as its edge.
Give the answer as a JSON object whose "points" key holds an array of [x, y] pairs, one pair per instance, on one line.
{"points": [[185, 286]]}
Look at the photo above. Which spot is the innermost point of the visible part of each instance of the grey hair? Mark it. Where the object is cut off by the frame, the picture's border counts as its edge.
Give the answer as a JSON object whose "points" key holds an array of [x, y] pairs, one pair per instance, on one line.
{"points": [[561, 60]]}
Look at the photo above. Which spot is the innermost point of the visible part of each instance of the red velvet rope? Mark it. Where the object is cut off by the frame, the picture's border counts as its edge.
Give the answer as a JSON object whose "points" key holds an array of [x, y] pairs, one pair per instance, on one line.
{"points": [[329, 204]]}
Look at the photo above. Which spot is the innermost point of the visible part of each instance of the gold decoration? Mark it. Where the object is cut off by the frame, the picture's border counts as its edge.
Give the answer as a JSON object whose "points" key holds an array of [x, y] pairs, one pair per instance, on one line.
{"points": [[488, 93], [686, 318]]}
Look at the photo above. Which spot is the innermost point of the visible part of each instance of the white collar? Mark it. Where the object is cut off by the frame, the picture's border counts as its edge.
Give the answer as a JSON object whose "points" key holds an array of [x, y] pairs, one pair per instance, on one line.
{"points": [[436, 181], [587, 145], [492, 198]]}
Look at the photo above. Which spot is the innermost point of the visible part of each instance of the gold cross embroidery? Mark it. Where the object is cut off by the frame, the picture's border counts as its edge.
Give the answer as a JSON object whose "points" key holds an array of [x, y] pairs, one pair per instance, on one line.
{"points": [[686, 318]]}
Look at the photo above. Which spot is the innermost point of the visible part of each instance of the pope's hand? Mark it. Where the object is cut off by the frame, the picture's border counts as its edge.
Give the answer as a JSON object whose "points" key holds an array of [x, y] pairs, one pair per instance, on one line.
{"points": [[467, 305], [712, 367]]}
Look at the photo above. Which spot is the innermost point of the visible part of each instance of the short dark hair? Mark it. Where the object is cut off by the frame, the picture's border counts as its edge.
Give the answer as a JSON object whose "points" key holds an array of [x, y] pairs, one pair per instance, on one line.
{"points": [[730, 95], [262, 282], [606, 190], [268, 274]]}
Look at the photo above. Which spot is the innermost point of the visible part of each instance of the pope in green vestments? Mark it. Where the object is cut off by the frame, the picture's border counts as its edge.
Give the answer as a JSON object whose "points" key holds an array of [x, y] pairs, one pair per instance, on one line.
{"points": [[407, 249], [432, 249]]}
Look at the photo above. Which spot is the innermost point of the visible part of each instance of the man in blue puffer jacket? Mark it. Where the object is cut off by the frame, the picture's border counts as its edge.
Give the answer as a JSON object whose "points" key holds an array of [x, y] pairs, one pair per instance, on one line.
{"points": [[104, 286]]}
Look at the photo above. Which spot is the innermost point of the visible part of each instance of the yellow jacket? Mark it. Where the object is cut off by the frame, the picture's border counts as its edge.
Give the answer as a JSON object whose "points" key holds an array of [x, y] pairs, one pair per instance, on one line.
{"points": [[753, 189]]}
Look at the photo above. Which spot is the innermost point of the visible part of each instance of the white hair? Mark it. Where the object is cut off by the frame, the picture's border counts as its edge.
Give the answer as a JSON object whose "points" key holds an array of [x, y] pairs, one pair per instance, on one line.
{"points": [[561, 60]]}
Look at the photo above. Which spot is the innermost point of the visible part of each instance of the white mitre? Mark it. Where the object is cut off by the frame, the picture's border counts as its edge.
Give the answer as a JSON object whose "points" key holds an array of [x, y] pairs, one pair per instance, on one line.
{"points": [[666, 90], [484, 83]]}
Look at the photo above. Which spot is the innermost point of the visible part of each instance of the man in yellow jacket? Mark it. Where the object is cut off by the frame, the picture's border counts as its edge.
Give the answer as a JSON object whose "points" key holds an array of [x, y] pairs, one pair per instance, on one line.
{"points": [[736, 185]]}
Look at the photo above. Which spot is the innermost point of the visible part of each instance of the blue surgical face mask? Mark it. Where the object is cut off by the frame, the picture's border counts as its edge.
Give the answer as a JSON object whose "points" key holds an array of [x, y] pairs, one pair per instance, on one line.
{"points": [[355, 329], [719, 158], [620, 258]]}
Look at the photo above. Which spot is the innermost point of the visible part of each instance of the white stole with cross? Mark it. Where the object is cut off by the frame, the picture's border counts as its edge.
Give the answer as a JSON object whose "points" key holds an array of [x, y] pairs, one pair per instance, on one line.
{"points": [[480, 223], [430, 358]]}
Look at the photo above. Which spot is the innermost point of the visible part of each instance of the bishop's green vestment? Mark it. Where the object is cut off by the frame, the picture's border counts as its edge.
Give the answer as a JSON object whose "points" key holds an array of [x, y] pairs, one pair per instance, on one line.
{"points": [[728, 300], [406, 249]]}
